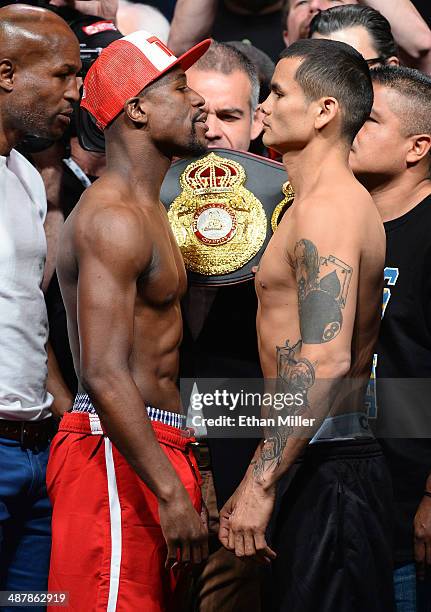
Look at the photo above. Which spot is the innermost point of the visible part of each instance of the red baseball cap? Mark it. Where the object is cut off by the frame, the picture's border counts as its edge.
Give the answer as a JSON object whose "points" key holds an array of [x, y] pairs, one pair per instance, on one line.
{"points": [[125, 67]]}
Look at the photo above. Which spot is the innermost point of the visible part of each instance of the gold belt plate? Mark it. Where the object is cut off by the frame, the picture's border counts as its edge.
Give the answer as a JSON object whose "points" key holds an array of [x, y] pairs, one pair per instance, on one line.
{"points": [[218, 223]]}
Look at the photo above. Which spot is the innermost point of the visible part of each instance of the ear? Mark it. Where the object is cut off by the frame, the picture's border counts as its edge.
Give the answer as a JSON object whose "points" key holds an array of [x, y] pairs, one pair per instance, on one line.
{"points": [[327, 110], [286, 38], [420, 146], [392, 61], [7, 73], [256, 123], [135, 109]]}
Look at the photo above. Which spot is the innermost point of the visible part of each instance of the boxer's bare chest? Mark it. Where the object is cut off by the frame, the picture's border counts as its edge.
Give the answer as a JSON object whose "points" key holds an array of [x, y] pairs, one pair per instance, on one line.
{"points": [[275, 276], [164, 280]]}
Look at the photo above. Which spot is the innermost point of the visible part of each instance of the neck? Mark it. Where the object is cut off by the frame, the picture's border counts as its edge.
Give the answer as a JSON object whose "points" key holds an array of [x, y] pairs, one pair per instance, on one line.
{"points": [[398, 195], [306, 171], [9, 138], [140, 164]]}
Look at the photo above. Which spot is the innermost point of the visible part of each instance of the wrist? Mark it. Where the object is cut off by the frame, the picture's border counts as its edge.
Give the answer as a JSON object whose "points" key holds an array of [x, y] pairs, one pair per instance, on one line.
{"points": [[58, 409], [170, 493], [265, 482], [63, 402], [268, 485]]}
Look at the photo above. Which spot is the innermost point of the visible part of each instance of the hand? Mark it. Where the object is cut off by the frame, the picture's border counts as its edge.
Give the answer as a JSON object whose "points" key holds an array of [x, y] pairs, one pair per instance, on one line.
{"points": [[61, 405], [183, 530], [422, 537], [226, 512], [244, 519], [224, 518]]}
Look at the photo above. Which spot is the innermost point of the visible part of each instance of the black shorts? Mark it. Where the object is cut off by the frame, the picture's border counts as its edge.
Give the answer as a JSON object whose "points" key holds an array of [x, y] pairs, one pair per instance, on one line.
{"points": [[333, 532]]}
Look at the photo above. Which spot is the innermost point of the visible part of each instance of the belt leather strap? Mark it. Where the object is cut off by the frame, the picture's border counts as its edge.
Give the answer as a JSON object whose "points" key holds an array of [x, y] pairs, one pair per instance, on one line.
{"points": [[202, 454], [30, 434]]}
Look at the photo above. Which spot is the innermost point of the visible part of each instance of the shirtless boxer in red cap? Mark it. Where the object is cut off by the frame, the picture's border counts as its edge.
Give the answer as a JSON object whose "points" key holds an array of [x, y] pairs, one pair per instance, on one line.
{"points": [[122, 478]]}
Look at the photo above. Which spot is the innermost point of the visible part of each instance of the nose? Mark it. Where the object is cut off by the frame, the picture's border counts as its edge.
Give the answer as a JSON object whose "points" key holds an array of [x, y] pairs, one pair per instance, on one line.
{"points": [[317, 5], [196, 99], [72, 92], [214, 132], [265, 106]]}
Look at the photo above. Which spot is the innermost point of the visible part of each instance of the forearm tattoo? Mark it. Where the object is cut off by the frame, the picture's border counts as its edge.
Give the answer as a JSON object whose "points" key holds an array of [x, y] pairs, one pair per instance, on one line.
{"points": [[323, 285], [271, 452], [296, 377]]}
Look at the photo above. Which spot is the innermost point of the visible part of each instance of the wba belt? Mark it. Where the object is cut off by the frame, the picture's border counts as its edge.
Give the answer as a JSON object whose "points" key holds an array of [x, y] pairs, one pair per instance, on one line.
{"points": [[223, 208]]}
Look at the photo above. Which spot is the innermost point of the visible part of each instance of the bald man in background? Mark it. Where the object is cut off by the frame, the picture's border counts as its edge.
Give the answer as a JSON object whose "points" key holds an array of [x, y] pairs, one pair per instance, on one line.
{"points": [[39, 59]]}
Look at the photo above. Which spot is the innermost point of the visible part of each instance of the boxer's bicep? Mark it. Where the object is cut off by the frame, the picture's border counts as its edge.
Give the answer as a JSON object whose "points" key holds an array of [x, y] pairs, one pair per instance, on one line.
{"points": [[326, 259]]}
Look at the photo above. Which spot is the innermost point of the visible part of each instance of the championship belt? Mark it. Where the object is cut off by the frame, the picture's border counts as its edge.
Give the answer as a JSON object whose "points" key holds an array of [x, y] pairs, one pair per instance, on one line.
{"points": [[223, 208]]}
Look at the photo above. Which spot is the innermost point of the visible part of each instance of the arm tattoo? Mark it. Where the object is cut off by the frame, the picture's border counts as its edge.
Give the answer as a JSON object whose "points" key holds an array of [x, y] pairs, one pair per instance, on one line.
{"points": [[271, 452], [323, 284], [296, 377]]}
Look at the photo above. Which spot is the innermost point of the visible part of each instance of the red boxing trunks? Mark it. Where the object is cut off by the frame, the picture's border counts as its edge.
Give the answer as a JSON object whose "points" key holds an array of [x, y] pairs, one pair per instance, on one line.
{"points": [[108, 550]]}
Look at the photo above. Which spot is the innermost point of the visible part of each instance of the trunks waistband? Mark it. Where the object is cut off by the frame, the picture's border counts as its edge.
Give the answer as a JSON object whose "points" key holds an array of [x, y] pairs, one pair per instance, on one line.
{"points": [[343, 449], [349, 426], [88, 423], [83, 404]]}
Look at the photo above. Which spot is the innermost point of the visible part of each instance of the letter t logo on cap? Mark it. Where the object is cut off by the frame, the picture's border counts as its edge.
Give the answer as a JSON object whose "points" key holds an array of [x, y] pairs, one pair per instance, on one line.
{"points": [[159, 43]]}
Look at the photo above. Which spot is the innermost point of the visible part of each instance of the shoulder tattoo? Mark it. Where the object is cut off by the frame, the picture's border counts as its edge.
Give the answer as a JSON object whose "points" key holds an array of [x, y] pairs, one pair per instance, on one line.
{"points": [[323, 285]]}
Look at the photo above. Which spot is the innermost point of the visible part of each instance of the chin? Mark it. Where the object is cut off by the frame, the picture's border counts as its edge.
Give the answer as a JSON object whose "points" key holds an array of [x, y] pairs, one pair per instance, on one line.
{"points": [[55, 133], [195, 149], [199, 148], [271, 142], [357, 169], [266, 141]]}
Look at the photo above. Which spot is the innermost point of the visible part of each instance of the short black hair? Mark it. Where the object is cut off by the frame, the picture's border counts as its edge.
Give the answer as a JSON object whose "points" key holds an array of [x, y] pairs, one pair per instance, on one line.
{"points": [[415, 89], [332, 68], [351, 16]]}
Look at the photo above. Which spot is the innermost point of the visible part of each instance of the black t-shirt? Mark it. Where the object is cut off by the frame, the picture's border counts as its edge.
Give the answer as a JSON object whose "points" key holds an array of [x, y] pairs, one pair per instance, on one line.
{"points": [[404, 352]]}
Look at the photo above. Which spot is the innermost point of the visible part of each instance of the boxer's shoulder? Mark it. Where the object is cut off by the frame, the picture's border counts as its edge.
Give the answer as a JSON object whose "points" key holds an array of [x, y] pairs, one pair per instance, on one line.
{"points": [[106, 223]]}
